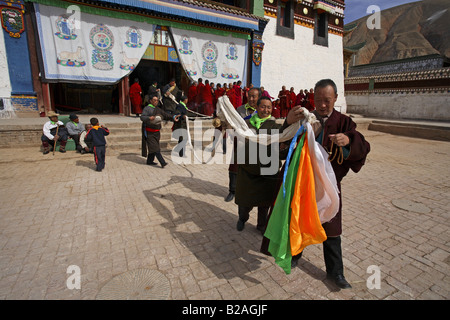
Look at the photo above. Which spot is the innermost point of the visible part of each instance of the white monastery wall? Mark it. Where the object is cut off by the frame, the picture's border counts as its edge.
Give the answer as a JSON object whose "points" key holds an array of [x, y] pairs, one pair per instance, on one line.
{"points": [[418, 105], [299, 63]]}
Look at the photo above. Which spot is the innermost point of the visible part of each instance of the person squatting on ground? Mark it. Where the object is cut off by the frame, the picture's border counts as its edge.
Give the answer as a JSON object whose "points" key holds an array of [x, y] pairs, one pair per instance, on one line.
{"points": [[348, 149], [151, 118], [75, 128], [96, 135], [86, 146], [54, 131], [253, 189]]}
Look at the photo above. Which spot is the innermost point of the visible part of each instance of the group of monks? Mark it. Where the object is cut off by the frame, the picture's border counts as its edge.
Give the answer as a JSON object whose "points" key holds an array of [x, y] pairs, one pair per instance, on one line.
{"points": [[287, 99], [203, 96]]}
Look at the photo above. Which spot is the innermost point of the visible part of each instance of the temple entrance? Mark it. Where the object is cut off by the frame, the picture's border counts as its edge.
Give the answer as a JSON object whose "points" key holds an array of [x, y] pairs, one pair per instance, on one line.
{"points": [[85, 98], [148, 71]]}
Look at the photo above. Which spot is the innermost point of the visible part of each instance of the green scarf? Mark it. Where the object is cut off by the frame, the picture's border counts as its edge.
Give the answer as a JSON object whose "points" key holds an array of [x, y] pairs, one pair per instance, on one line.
{"points": [[150, 105], [182, 103], [256, 121], [247, 106], [76, 124]]}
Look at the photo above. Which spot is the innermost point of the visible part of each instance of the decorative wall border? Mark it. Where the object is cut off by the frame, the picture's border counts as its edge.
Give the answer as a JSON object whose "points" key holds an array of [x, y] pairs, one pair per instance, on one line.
{"points": [[441, 73], [400, 91]]}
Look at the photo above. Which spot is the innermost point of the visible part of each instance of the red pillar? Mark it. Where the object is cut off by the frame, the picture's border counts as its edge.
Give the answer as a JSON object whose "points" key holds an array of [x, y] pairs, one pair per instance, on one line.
{"points": [[46, 97], [124, 97]]}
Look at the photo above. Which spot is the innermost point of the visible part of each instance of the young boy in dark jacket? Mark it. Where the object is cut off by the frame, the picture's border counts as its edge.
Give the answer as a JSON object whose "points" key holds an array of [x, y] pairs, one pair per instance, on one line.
{"points": [[97, 136]]}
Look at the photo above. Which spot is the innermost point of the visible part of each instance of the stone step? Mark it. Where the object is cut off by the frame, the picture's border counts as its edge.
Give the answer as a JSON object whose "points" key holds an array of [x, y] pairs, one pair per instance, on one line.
{"points": [[415, 130]]}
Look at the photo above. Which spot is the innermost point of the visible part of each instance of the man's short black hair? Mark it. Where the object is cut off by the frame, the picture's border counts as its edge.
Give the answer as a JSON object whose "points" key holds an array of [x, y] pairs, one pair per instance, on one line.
{"points": [[153, 96], [94, 121], [257, 89], [325, 83], [263, 98]]}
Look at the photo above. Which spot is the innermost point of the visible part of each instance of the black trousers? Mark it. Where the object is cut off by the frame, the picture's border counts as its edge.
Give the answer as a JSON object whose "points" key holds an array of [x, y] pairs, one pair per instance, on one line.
{"points": [[76, 138], [62, 133], [151, 158], [244, 215], [232, 181], [332, 254], [99, 156]]}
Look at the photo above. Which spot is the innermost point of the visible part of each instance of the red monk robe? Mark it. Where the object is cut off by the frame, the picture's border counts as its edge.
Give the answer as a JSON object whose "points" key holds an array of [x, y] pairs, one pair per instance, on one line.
{"points": [[217, 94], [232, 96], [136, 97], [292, 99], [192, 95], [284, 101], [237, 95], [276, 109], [207, 98]]}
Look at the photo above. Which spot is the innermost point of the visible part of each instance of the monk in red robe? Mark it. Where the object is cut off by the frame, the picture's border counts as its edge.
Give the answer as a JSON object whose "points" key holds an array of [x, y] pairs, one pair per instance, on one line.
{"points": [[292, 98], [231, 93], [207, 98], [136, 97], [217, 94], [299, 100], [284, 95], [310, 103], [245, 96], [192, 95], [237, 94], [198, 99], [276, 109]]}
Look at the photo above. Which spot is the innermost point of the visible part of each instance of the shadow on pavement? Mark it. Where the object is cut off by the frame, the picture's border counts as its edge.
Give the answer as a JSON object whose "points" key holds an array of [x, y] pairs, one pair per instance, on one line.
{"points": [[85, 163], [132, 157], [209, 233]]}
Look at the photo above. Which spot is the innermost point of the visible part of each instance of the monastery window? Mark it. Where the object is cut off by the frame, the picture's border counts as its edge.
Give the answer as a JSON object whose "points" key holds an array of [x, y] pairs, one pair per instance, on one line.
{"points": [[285, 19], [321, 29]]}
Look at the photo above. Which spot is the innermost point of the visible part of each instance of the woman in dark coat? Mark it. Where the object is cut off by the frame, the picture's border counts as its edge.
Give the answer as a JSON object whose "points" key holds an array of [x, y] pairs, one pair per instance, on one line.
{"points": [[181, 110], [253, 189], [152, 117]]}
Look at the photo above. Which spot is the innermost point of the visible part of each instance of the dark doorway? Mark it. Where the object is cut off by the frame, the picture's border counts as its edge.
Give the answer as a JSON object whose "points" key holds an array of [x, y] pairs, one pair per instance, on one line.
{"points": [[85, 98], [148, 71]]}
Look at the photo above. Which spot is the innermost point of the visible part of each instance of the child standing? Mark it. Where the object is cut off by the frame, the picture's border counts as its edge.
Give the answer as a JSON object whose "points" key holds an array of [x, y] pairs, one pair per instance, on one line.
{"points": [[97, 136]]}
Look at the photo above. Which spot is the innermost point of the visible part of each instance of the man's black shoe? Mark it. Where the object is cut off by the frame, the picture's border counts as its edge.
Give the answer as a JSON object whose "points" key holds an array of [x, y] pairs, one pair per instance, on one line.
{"points": [[340, 281], [229, 197], [164, 164], [240, 225], [294, 261]]}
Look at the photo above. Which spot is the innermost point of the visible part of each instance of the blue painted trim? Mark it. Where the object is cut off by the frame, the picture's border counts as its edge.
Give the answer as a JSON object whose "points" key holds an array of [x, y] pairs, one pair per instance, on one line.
{"points": [[19, 66]]}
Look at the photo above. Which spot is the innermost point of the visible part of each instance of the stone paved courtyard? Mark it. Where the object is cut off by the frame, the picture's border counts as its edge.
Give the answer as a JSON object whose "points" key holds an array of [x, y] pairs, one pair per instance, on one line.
{"points": [[56, 211]]}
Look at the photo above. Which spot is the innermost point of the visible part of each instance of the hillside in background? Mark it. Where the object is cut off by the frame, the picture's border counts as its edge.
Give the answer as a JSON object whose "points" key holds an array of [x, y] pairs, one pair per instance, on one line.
{"points": [[410, 30]]}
